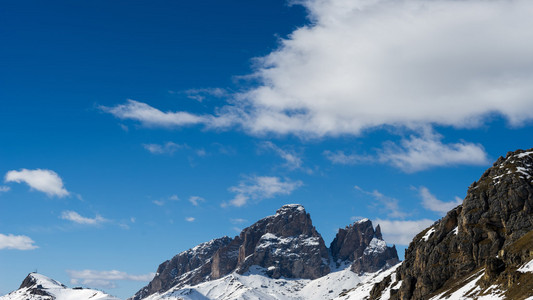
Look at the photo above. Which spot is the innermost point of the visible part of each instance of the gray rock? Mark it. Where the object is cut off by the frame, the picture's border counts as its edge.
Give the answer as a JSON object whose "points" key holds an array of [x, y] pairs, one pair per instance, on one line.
{"points": [[493, 221]]}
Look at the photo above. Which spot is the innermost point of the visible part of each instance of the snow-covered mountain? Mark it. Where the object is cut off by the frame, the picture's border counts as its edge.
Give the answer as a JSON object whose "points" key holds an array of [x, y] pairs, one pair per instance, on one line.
{"points": [[278, 257], [40, 287]]}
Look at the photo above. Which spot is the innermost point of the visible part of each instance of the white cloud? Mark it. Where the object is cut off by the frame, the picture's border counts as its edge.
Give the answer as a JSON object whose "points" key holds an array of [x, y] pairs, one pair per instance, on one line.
{"points": [[401, 232], [420, 153], [174, 198], [195, 200], [389, 204], [261, 187], [4, 189], [238, 221], [292, 159], [430, 202], [77, 218], [46, 181], [104, 279], [16, 242], [201, 94], [341, 158], [167, 148], [153, 117], [364, 64], [158, 202], [190, 219], [360, 65]]}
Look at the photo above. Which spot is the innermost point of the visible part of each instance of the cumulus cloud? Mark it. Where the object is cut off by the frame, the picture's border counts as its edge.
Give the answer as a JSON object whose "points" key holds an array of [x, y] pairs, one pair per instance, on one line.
{"points": [[104, 279], [261, 187], [167, 148], [46, 181], [190, 219], [388, 204], [422, 152], [401, 232], [360, 65], [430, 202], [16, 242], [77, 218]]}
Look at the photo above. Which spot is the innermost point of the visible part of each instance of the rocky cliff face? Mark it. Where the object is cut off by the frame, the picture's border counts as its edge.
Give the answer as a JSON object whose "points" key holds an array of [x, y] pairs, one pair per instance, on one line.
{"points": [[284, 245], [189, 267], [364, 247], [490, 234]]}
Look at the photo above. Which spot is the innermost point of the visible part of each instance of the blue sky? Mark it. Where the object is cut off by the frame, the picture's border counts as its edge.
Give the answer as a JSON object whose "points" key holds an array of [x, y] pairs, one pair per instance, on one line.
{"points": [[133, 130]]}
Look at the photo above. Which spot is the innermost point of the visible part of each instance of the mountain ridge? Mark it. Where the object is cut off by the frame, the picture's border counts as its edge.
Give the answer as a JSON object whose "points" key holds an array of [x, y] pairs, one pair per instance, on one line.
{"points": [[285, 245]]}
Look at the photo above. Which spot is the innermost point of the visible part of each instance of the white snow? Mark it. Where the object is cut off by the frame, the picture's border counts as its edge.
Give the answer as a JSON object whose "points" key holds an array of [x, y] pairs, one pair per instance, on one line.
{"points": [[362, 290], [56, 290], [255, 285], [524, 154], [361, 221], [528, 267], [428, 234], [376, 246], [456, 230], [471, 290]]}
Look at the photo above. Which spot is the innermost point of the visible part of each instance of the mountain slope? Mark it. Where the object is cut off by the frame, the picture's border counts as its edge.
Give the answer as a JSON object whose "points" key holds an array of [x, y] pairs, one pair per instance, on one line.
{"points": [[284, 248], [39, 287], [485, 244]]}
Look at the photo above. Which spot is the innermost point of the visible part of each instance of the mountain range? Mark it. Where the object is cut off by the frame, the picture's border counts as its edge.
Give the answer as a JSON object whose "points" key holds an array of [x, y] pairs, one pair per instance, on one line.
{"points": [[482, 249]]}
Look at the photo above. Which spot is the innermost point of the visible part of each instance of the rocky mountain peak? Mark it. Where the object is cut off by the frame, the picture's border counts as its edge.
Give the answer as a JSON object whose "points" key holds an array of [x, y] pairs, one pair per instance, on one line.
{"points": [[491, 232], [361, 244], [285, 244]]}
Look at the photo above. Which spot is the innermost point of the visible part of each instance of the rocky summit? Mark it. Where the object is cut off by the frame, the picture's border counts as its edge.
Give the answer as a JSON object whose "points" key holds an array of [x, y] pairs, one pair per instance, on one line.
{"points": [[483, 247], [364, 247], [284, 245]]}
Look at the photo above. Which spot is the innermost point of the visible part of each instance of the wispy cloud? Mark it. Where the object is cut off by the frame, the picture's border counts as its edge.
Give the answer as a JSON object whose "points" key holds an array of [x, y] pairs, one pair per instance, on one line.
{"points": [[104, 279], [46, 181], [4, 189], [195, 200], [401, 232], [190, 219], [158, 202], [152, 117], [238, 221], [389, 204], [341, 158], [16, 242], [77, 218], [430, 202], [292, 159], [426, 151], [201, 94], [167, 148], [261, 187]]}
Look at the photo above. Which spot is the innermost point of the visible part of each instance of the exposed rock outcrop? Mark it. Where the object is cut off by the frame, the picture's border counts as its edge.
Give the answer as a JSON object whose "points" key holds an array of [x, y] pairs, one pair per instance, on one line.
{"points": [[491, 232], [284, 245], [364, 247], [188, 267]]}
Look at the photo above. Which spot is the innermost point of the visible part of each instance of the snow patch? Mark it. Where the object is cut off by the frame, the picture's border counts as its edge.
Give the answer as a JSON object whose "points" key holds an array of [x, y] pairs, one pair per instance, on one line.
{"points": [[428, 234], [376, 246], [528, 267]]}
